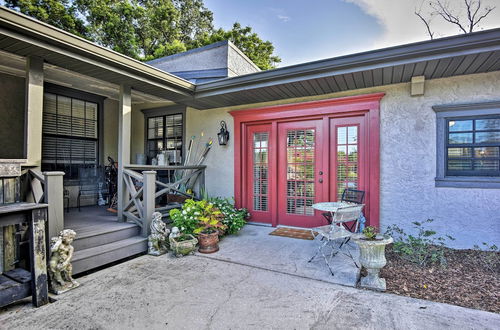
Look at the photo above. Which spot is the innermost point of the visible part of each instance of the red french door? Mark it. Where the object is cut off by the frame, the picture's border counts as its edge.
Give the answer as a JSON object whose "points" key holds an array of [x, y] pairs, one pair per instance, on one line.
{"points": [[300, 173], [289, 157], [259, 178]]}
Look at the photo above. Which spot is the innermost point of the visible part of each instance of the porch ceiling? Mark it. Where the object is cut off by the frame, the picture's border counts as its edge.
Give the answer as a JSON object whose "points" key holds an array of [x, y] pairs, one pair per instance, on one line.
{"points": [[458, 55], [24, 36]]}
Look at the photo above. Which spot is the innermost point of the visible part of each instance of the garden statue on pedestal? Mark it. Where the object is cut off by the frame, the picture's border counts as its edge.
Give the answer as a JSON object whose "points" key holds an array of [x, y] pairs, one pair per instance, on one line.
{"points": [[158, 240], [60, 268]]}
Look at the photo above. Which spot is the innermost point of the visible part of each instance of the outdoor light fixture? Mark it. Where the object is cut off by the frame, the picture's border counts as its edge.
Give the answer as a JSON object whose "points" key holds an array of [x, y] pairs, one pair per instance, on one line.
{"points": [[223, 134]]}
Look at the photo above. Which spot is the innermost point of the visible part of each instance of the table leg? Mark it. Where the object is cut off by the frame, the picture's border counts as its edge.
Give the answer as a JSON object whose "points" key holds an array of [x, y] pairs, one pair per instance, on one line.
{"points": [[38, 257]]}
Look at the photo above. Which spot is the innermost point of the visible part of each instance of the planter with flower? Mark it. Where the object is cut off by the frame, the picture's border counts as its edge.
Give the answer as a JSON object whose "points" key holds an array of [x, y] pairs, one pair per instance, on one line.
{"points": [[372, 257], [201, 219], [232, 217]]}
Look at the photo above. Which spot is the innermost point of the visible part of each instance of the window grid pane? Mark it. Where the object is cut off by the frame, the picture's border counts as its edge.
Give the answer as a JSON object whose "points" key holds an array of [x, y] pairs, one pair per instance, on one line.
{"points": [[165, 133], [473, 147]]}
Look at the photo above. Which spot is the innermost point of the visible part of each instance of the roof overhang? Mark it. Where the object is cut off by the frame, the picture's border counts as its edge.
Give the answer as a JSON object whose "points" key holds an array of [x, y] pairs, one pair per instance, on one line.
{"points": [[25, 36], [458, 55]]}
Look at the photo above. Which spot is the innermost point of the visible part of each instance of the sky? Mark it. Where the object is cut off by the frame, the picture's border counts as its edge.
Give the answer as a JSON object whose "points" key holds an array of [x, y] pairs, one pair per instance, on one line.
{"points": [[308, 30]]}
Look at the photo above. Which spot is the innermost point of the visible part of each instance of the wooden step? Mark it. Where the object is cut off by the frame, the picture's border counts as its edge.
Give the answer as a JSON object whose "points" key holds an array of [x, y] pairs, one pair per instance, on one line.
{"points": [[104, 233], [94, 257]]}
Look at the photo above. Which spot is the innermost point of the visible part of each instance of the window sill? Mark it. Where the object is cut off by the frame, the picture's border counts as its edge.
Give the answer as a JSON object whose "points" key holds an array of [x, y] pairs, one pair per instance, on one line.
{"points": [[468, 182]]}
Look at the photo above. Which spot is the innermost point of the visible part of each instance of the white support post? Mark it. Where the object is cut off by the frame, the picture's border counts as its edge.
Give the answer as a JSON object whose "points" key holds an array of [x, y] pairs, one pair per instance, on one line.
{"points": [[124, 131], [33, 111], [149, 190], [54, 196]]}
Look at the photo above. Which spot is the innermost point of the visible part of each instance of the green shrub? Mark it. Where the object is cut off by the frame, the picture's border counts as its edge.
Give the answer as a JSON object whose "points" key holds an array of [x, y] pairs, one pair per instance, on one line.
{"points": [[196, 217], [233, 218], [422, 248]]}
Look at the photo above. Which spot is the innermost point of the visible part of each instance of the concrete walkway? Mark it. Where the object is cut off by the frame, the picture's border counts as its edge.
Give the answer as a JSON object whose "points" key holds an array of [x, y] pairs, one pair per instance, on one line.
{"points": [[196, 292]]}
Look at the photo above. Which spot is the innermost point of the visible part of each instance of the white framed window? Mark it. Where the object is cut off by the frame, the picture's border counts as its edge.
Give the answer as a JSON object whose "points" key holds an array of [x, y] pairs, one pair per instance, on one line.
{"points": [[468, 145]]}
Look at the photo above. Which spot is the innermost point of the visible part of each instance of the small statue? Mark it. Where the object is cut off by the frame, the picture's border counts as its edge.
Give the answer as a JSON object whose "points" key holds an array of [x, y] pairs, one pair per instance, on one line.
{"points": [[60, 268], [175, 233], [158, 240]]}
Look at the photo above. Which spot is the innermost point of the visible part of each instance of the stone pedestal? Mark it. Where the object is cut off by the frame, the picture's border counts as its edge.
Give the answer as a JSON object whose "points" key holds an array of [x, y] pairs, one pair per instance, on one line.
{"points": [[372, 258]]}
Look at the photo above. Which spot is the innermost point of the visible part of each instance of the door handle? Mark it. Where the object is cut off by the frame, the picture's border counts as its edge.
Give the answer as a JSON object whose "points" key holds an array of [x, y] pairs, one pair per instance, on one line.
{"points": [[320, 172], [320, 180]]}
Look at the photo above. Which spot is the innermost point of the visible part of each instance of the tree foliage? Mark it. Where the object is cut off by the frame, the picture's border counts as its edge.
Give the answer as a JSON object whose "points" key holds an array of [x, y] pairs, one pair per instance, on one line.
{"points": [[59, 13], [146, 29]]}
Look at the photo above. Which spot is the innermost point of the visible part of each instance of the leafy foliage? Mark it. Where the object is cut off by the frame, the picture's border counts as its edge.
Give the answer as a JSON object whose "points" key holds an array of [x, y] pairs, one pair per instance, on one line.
{"points": [[197, 217], [422, 248], [146, 29], [259, 51], [370, 232], [59, 13], [233, 218]]}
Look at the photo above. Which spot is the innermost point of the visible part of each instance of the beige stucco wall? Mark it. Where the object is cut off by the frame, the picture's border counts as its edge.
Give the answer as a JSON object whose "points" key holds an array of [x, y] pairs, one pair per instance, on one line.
{"points": [[110, 130], [408, 158], [11, 116]]}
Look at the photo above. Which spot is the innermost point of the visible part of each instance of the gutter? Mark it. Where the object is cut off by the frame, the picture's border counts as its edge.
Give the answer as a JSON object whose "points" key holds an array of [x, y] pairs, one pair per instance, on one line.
{"points": [[420, 51]]}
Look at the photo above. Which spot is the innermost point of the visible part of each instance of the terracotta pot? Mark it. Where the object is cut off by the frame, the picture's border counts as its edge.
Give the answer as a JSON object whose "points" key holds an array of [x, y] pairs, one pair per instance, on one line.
{"points": [[209, 243]]}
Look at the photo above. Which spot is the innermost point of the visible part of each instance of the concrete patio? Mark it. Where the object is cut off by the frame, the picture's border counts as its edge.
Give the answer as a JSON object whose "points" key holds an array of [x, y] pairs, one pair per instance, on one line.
{"points": [[203, 293], [253, 246]]}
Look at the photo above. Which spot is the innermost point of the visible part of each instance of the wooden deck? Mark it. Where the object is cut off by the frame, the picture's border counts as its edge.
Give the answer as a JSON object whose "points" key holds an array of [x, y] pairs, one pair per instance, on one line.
{"points": [[100, 238]]}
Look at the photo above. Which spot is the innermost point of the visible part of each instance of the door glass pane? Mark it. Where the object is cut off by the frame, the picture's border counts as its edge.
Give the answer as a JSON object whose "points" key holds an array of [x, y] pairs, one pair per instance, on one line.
{"points": [[260, 171], [347, 159], [300, 171]]}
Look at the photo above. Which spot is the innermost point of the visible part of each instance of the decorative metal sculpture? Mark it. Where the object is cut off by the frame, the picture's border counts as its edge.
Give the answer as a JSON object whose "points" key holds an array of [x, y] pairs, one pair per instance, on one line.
{"points": [[158, 240], [60, 268]]}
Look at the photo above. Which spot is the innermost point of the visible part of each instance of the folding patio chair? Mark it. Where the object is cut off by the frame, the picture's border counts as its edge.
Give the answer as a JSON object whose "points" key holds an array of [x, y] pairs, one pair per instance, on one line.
{"points": [[336, 233], [352, 196]]}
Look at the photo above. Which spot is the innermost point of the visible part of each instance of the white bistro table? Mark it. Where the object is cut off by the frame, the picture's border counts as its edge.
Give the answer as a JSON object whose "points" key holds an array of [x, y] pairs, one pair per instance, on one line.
{"points": [[330, 207]]}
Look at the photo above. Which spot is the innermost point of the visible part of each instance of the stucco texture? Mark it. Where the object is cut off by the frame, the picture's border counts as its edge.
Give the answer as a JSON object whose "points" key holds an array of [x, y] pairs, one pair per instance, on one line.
{"points": [[408, 159]]}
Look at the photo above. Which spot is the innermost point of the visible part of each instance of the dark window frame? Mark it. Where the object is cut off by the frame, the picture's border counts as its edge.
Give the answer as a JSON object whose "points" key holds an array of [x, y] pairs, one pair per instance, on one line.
{"points": [[472, 146], [164, 112], [86, 97], [444, 113]]}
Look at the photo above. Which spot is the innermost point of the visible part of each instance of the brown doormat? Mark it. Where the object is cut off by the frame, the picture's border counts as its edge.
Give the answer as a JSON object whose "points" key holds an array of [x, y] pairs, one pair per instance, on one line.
{"points": [[293, 233]]}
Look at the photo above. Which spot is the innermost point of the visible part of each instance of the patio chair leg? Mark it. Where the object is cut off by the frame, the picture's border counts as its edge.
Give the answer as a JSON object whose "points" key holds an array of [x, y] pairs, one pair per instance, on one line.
{"points": [[318, 250]]}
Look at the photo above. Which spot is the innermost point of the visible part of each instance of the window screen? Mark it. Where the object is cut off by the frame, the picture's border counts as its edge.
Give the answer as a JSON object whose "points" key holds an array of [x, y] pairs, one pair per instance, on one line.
{"points": [[473, 146], [70, 134], [165, 134]]}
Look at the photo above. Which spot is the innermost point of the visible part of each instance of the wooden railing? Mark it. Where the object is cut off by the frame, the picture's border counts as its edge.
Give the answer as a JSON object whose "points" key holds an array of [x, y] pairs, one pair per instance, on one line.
{"points": [[46, 187], [143, 191]]}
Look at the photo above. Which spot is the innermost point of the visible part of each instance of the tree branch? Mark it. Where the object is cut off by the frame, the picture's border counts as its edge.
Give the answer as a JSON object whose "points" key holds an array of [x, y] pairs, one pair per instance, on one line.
{"points": [[427, 24]]}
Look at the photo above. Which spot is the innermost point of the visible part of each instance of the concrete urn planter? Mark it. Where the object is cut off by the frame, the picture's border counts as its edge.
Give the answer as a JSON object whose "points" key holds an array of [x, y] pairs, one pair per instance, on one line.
{"points": [[182, 248], [372, 258]]}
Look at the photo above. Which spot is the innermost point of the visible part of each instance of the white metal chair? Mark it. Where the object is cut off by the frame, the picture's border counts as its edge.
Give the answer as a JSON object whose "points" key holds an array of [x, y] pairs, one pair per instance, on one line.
{"points": [[336, 232]]}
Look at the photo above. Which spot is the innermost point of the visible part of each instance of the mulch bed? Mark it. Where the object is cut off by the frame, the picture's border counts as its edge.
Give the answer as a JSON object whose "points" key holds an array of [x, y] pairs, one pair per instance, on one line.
{"points": [[465, 280]]}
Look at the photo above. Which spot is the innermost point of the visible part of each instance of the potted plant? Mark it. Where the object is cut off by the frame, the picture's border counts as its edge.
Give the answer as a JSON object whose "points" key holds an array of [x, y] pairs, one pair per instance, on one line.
{"points": [[210, 227], [182, 244], [372, 257]]}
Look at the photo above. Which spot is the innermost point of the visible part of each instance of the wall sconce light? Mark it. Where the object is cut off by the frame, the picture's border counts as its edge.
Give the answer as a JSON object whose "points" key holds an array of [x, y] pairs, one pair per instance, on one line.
{"points": [[223, 134]]}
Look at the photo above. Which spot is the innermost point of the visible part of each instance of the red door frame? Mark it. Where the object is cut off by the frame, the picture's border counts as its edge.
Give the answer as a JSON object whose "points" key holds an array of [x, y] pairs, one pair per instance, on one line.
{"points": [[367, 105]]}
